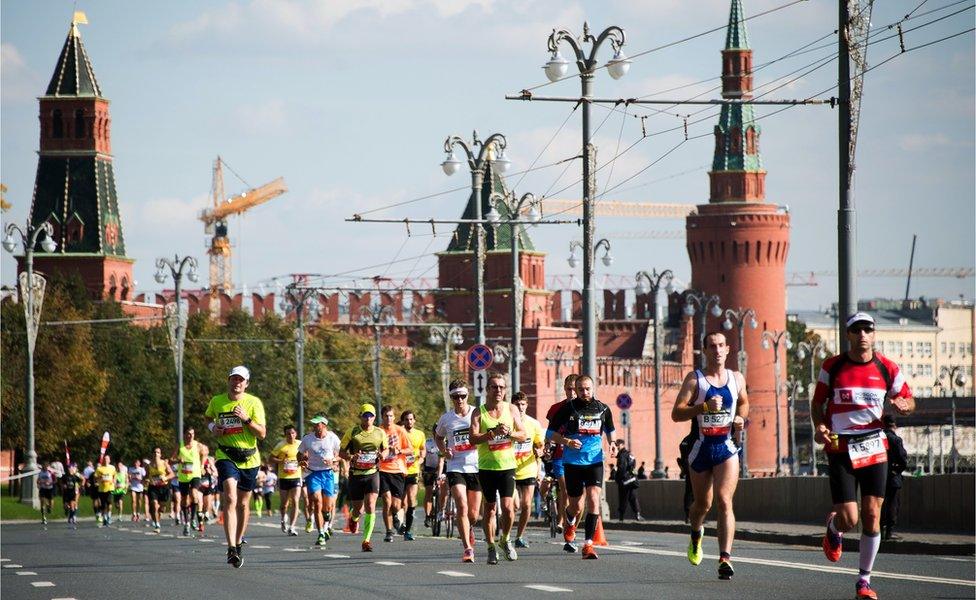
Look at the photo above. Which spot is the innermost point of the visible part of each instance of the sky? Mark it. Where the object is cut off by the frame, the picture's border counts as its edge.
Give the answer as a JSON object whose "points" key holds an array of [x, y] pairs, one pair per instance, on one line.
{"points": [[351, 101]]}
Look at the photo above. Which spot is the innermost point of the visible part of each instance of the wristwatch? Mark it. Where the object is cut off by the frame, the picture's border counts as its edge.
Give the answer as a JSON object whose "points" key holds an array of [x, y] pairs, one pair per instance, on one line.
{"points": [[247, 421]]}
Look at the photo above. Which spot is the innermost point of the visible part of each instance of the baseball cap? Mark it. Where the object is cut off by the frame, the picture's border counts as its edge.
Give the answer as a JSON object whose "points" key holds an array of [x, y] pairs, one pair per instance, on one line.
{"points": [[367, 408], [860, 317], [240, 371], [319, 419]]}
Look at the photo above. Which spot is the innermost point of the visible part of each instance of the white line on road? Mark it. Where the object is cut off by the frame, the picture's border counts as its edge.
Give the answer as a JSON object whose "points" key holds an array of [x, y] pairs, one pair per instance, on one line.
{"points": [[294, 550], [804, 567], [169, 535], [455, 574], [4, 560], [26, 573], [956, 559], [42, 584], [204, 540], [389, 563], [148, 532], [260, 547], [13, 566], [336, 555], [547, 588], [64, 599]]}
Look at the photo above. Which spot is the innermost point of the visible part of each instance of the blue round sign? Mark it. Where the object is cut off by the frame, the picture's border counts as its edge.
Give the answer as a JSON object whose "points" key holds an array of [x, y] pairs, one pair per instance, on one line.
{"points": [[479, 357], [624, 401]]}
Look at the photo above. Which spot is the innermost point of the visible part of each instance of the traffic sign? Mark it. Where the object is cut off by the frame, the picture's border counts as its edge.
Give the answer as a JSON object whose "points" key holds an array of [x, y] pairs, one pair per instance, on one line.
{"points": [[480, 384], [625, 418], [479, 357], [624, 401]]}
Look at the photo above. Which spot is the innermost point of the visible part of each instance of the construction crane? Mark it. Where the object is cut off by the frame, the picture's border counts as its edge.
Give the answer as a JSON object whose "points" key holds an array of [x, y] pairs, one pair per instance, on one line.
{"points": [[617, 208], [215, 223], [809, 278]]}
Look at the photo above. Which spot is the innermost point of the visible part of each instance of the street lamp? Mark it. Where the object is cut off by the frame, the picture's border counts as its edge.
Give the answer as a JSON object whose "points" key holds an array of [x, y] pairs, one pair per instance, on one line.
{"points": [[32, 295], [956, 377], [450, 337], [793, 387], [650, 283], [707, 304], [176, 317], [814, 351], [377, 316], [555, 69], [604, 243], [491, 151], [301, 301], [772, 339], [557, 358], [737, 319], [514, 211]]}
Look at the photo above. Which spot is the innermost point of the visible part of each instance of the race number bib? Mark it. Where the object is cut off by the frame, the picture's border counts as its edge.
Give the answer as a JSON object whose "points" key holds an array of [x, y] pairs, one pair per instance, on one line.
{"points": [[411, 458], [499, 442], [366, 460], [590, 425], [290, 467], [523, 450], [186, 468], [867, 450], [156, 480], [108, 478], [461, 440], [715, 423], [230, 423]]}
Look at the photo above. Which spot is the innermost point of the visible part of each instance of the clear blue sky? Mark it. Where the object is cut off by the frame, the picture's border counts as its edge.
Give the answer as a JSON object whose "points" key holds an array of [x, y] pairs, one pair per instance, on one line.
{"points": [[351, 103]]}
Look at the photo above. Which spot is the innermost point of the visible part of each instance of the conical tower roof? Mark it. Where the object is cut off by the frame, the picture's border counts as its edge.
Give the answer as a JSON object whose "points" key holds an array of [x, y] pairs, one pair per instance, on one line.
{"points": [[496, 238], [73, 75], [736, 37]]}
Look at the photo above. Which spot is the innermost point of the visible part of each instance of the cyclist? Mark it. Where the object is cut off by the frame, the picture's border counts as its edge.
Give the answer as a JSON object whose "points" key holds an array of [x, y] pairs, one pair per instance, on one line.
{"points": [[285, 455], [418, 442], [432, 467], [452, 434], [527, 455], [317, 452], [363, 446]]}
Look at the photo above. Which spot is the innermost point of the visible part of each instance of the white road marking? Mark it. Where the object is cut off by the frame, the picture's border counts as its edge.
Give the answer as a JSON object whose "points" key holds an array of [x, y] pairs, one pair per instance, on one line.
{"points": [[455, 574], [260, 547], [547, 588], [204, 540], [389, 563], [13, 566], [26, 573], [64, 599], [42, 584], [169, 535], [632, 543], [804, 566], [336, 555], [123, 529], [4, 560], [294, 550], [956, 559], [148, 532]]}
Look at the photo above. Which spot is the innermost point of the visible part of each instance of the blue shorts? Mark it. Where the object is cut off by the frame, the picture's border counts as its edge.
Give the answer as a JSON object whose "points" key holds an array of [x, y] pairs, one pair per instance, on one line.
{"points": [[228, 469], [557, 468], [706, 454], [321, 481]]}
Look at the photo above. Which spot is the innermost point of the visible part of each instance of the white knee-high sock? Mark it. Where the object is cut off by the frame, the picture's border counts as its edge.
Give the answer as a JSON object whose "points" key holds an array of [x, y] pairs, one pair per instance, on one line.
{"points": [[870, 542]]}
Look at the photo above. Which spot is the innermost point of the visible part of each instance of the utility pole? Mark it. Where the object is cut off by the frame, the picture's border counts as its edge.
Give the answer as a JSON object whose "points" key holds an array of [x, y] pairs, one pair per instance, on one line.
{"points": [[301, 301], [377, 317]]}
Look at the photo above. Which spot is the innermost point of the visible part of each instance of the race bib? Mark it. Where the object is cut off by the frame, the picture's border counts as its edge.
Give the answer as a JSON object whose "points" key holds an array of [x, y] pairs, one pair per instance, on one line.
{"points": [[366, 460], [868, 450], [157, 480], [499, 442], [290, 467], [461, 440], [108, 477], [411, 459], [588, 425], [715, 423], [186, 468], [230, 423], [523, 450]]}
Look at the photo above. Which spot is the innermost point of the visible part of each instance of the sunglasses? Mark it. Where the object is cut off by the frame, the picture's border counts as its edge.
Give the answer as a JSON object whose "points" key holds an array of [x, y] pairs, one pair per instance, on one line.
{"points": [[861, 329], [459, 396]]}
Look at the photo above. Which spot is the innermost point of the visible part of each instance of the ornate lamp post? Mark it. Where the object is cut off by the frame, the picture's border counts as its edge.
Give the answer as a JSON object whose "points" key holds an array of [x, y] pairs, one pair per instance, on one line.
{"points": [[377, 317], [492, 151], [176, 317], [32, 295], [737, 319], [557, 358], [301, 301], [956, 377], [772, 339], [555, 69], [503, 353], [650, 283], [814, 351], [793, 387], [706, 304], [450, 336]]}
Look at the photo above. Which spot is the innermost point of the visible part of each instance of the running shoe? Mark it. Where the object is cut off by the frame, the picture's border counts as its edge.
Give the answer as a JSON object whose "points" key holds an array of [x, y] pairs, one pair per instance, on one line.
{"points": [[200, 526], [396, 523], [186, 529], [492, 555], [863, 590], [695, 551], [569, 534], [367, 546], [308, 527], [156, 527], [833, 545], [569, 547], [725, 570], [327, 533], [292, 532], [284, 529], [520, 543], [43, 520], [320, 541], [238, 561], [509, 550], [427, 521], [389, 536], [353, 526], [468, 555], [589, 553], [231, 555], [408, 537]]}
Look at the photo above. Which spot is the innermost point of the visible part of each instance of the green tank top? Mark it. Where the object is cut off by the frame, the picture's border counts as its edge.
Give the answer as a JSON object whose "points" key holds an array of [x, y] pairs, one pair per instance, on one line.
{"points": [[497, 454], [189, 463], [120, 481]]}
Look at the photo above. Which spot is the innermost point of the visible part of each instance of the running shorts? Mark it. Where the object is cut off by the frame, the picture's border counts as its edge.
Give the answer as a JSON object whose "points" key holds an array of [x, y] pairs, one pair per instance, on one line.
{"points": [[289, 484], [360, 485], [429, 477], [186, 486], [502, 482], [468, 480], [46, 493], [579, 477], [706, 455], [228, 469], [393, 483], [159, 493], [321, 481], [527, 482], [410, 480], [845, 480], [105, 498]]}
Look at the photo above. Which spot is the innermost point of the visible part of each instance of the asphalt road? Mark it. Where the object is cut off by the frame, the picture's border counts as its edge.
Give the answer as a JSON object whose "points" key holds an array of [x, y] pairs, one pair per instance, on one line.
{"points": [[127, 561]]}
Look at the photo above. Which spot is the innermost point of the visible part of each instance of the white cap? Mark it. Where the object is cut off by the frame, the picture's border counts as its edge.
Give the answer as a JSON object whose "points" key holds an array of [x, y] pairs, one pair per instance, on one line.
{"points": [[859, 318], [241, 371]]}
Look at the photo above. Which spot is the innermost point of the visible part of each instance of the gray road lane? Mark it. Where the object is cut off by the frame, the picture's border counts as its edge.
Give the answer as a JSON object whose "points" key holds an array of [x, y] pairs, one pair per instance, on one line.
{"points": [[124, 562]]}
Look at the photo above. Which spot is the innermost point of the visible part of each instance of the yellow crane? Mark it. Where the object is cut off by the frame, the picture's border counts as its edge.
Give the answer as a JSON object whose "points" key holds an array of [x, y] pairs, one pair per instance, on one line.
{"points": [[215, 223]]}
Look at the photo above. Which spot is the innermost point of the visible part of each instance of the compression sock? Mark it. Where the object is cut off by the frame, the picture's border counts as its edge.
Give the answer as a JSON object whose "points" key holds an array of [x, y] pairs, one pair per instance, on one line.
{"points": [[570, 518], [870, 542], [591, 521], [368, 520], [326, 520], [194, 512], [696, 534], [408, 518]]}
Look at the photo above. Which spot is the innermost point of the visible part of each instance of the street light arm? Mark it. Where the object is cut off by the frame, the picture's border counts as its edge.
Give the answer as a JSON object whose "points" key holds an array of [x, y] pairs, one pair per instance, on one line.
{"points": [[494, 140], [563, 35]]}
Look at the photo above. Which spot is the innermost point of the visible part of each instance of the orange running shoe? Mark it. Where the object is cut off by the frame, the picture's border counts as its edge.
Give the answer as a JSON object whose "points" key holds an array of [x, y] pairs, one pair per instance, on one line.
{"points": [[354, 526], [589, 553], [864, 591], [367, 546], [833, 545], [468, 556], [569, 533]]}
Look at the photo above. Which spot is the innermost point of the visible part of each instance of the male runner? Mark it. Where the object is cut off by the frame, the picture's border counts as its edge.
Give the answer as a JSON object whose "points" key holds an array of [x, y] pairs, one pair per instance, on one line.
{"points": [[45, 489], [580, 425], [432, 467], [493, 429], [527, 455], [418, 442], [452, 434], [555, 470], [236, 419], [105, 480], [71, 485], [189, 458], [362, 446], [854, 386], [714, 399], [268, 487], [318, 452], [160, 474], [121, 487], [137, 475], [285, 455], [393, 470]]}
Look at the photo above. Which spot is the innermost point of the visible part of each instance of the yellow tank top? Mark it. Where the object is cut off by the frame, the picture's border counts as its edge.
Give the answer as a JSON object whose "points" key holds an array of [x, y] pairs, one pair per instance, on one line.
{"points": [[498, 453]]}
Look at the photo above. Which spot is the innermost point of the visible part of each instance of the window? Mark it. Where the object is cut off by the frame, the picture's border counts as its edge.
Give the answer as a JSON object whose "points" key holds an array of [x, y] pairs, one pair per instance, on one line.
{"points": [[909, 348], [927, 349], [891, 347], [57, 126], [898, 348], [879, 346], [943, 348], [952, 348], [910, 370], [79, 124], [927, 370]]}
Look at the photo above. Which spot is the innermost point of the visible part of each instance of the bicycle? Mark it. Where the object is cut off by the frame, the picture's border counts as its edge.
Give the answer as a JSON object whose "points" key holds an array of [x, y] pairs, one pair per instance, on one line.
{"points": [[443, 513], [550, 506]]}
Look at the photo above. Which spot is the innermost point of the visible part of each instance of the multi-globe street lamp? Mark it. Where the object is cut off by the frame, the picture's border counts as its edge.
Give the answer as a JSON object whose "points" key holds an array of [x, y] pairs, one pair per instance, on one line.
{"points": [[737, 319], [650, 283], [814, 351], [772, 339], [956, 378], [706, 304], [450, 336], [301, 301], [376, 317], [176, 318]]}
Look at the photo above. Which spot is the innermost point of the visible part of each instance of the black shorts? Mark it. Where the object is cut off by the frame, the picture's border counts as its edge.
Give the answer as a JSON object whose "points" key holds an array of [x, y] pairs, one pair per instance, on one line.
{"points": [[527, 482], [429, 477], [360, 485], [46, 493], [67, 497], [289, 484], [502, 482], [468, 480], [409, 480], [393, 483], [186, 486], [845, 480], [579, 477], [159, 493], [106, 498]]}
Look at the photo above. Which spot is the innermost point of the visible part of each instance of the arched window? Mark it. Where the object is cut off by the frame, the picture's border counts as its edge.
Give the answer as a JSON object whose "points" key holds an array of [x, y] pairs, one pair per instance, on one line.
{"points": [[57, 124], [79, 124]]}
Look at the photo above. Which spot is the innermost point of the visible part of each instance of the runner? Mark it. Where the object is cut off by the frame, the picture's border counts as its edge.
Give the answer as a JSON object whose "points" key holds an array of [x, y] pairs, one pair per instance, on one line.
{"points": [[362, 446], [208, 488], [393, 469], [71, 485], [317, 452], [258, 495], [418, 442], [176, 498], [527, 455], [236, 418], [285, 455], [160, 474], [91, 489], [105, 477], [452, 434], [714, 399], [190, 471], [45, 489], [137, 475], [854, 386], [121, 487], [433, 465], [555, 469], [493, 429], [579, 425]]}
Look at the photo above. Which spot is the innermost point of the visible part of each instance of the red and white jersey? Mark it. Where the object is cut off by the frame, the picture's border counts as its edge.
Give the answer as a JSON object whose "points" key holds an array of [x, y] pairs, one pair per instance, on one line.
{"points": [[858, 393]]}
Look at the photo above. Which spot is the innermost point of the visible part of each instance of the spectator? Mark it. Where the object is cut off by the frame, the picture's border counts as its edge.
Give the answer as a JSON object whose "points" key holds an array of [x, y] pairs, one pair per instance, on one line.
{"points": [[897, 462], [626, 482], [642, 472], [613, 473]]}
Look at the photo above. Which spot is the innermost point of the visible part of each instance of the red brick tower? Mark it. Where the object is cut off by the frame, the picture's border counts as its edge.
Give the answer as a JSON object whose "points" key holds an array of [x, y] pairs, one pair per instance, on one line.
{"points": [[738, 243]]}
